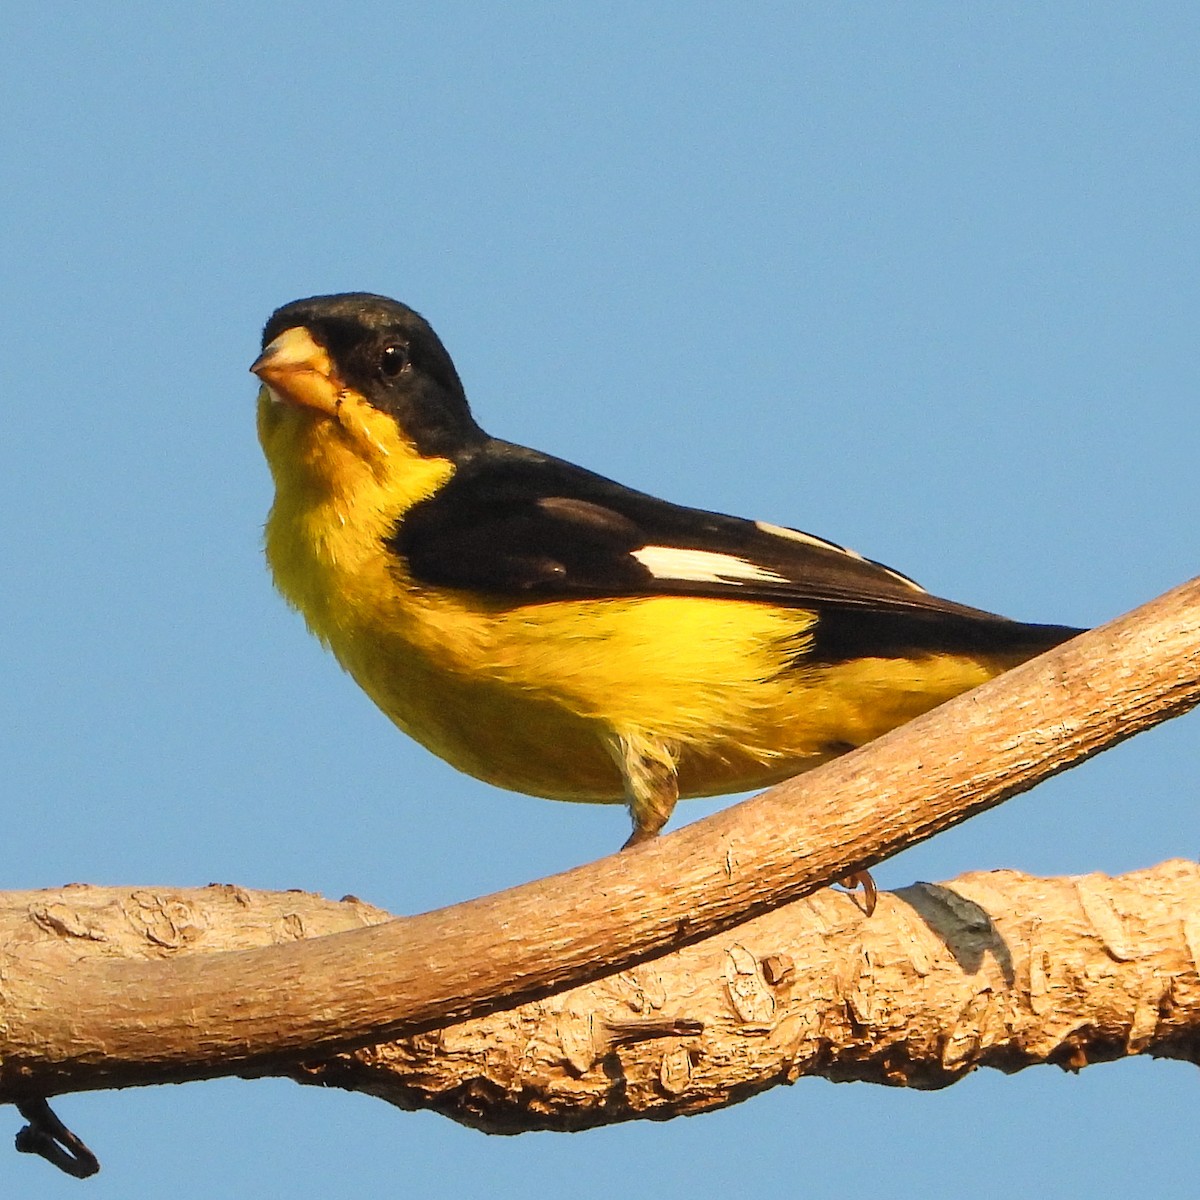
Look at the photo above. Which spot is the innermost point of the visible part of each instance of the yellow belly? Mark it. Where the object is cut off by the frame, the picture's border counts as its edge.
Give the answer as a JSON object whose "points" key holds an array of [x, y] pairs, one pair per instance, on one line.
{"points": [[532, 696]]}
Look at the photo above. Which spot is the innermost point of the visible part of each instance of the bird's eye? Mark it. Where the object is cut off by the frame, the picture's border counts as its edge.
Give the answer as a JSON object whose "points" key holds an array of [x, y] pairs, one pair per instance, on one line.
{"points": [[393, 358]]}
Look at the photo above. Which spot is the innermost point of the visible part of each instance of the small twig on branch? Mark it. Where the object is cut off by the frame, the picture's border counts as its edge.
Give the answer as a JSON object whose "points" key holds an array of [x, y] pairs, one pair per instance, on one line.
{"points": [[47, 1136], [112, 1022]]}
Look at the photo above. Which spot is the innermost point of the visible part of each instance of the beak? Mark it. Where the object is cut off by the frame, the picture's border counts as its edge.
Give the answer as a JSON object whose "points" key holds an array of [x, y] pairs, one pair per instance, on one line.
{"points": [[296, 370]]}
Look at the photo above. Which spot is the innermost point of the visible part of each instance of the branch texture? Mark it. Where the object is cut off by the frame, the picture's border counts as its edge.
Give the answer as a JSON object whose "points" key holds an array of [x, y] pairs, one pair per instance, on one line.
{"points": [[993, 969], [104, 1020]]}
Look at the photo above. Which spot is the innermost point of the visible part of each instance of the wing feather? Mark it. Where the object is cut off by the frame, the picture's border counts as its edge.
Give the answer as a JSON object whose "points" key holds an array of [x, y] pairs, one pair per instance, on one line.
{"points": [[515, 523]]}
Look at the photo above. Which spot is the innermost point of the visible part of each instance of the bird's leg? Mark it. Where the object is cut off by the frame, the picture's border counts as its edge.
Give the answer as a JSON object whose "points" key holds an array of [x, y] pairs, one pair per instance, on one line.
{"points": [[651, 786], [652, 789]]}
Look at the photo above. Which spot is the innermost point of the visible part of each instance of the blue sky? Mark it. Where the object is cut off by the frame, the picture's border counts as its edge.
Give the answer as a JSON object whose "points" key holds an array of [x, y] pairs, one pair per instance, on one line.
{"points": [[918, 278]]}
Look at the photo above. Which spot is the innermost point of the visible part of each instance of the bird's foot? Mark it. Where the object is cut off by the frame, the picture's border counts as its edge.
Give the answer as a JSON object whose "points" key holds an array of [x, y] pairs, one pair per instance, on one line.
{"points": [[861, 880]]}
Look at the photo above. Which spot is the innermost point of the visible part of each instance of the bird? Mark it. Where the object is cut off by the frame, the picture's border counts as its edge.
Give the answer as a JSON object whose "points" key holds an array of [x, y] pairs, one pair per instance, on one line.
{"points": [[553, 632]]}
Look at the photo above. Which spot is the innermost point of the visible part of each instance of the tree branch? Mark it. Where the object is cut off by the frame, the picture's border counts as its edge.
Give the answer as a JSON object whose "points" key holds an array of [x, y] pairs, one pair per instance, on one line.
{"points": [[993, 969], [101, 1021]]}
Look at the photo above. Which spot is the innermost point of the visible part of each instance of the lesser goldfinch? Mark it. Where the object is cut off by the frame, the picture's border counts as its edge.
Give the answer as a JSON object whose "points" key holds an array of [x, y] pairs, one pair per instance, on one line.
{"points": [[553, 632]]}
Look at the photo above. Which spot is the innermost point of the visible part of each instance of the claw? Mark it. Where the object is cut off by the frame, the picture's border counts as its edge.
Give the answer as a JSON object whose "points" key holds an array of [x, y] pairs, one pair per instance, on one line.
{"points": [[863, 880]]}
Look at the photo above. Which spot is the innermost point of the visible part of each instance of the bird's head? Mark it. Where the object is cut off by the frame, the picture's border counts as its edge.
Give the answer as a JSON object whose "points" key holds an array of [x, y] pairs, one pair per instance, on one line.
{"points": [[356, 385]]}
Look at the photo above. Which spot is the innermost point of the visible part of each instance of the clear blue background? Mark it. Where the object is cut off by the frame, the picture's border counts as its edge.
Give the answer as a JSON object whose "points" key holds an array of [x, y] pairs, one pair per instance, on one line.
{"points": [[920, 278]]}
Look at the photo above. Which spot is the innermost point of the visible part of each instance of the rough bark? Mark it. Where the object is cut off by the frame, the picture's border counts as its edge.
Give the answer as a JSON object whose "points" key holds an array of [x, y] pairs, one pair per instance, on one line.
{"points": [[77, 1012], [992, 969]]}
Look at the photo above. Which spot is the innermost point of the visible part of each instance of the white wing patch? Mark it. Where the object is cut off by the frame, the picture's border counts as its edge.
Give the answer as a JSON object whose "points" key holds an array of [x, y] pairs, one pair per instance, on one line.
{"points": [[702, 566], [912, 583], [809, 539]]}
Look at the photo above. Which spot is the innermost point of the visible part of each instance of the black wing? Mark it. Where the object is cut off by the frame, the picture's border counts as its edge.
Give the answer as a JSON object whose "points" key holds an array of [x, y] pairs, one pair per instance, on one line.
{"points": [[514, 523]]}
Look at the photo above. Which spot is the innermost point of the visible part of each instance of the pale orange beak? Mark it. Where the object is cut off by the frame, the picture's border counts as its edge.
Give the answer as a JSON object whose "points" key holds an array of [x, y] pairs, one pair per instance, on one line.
{"points": [[297, 371]]}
